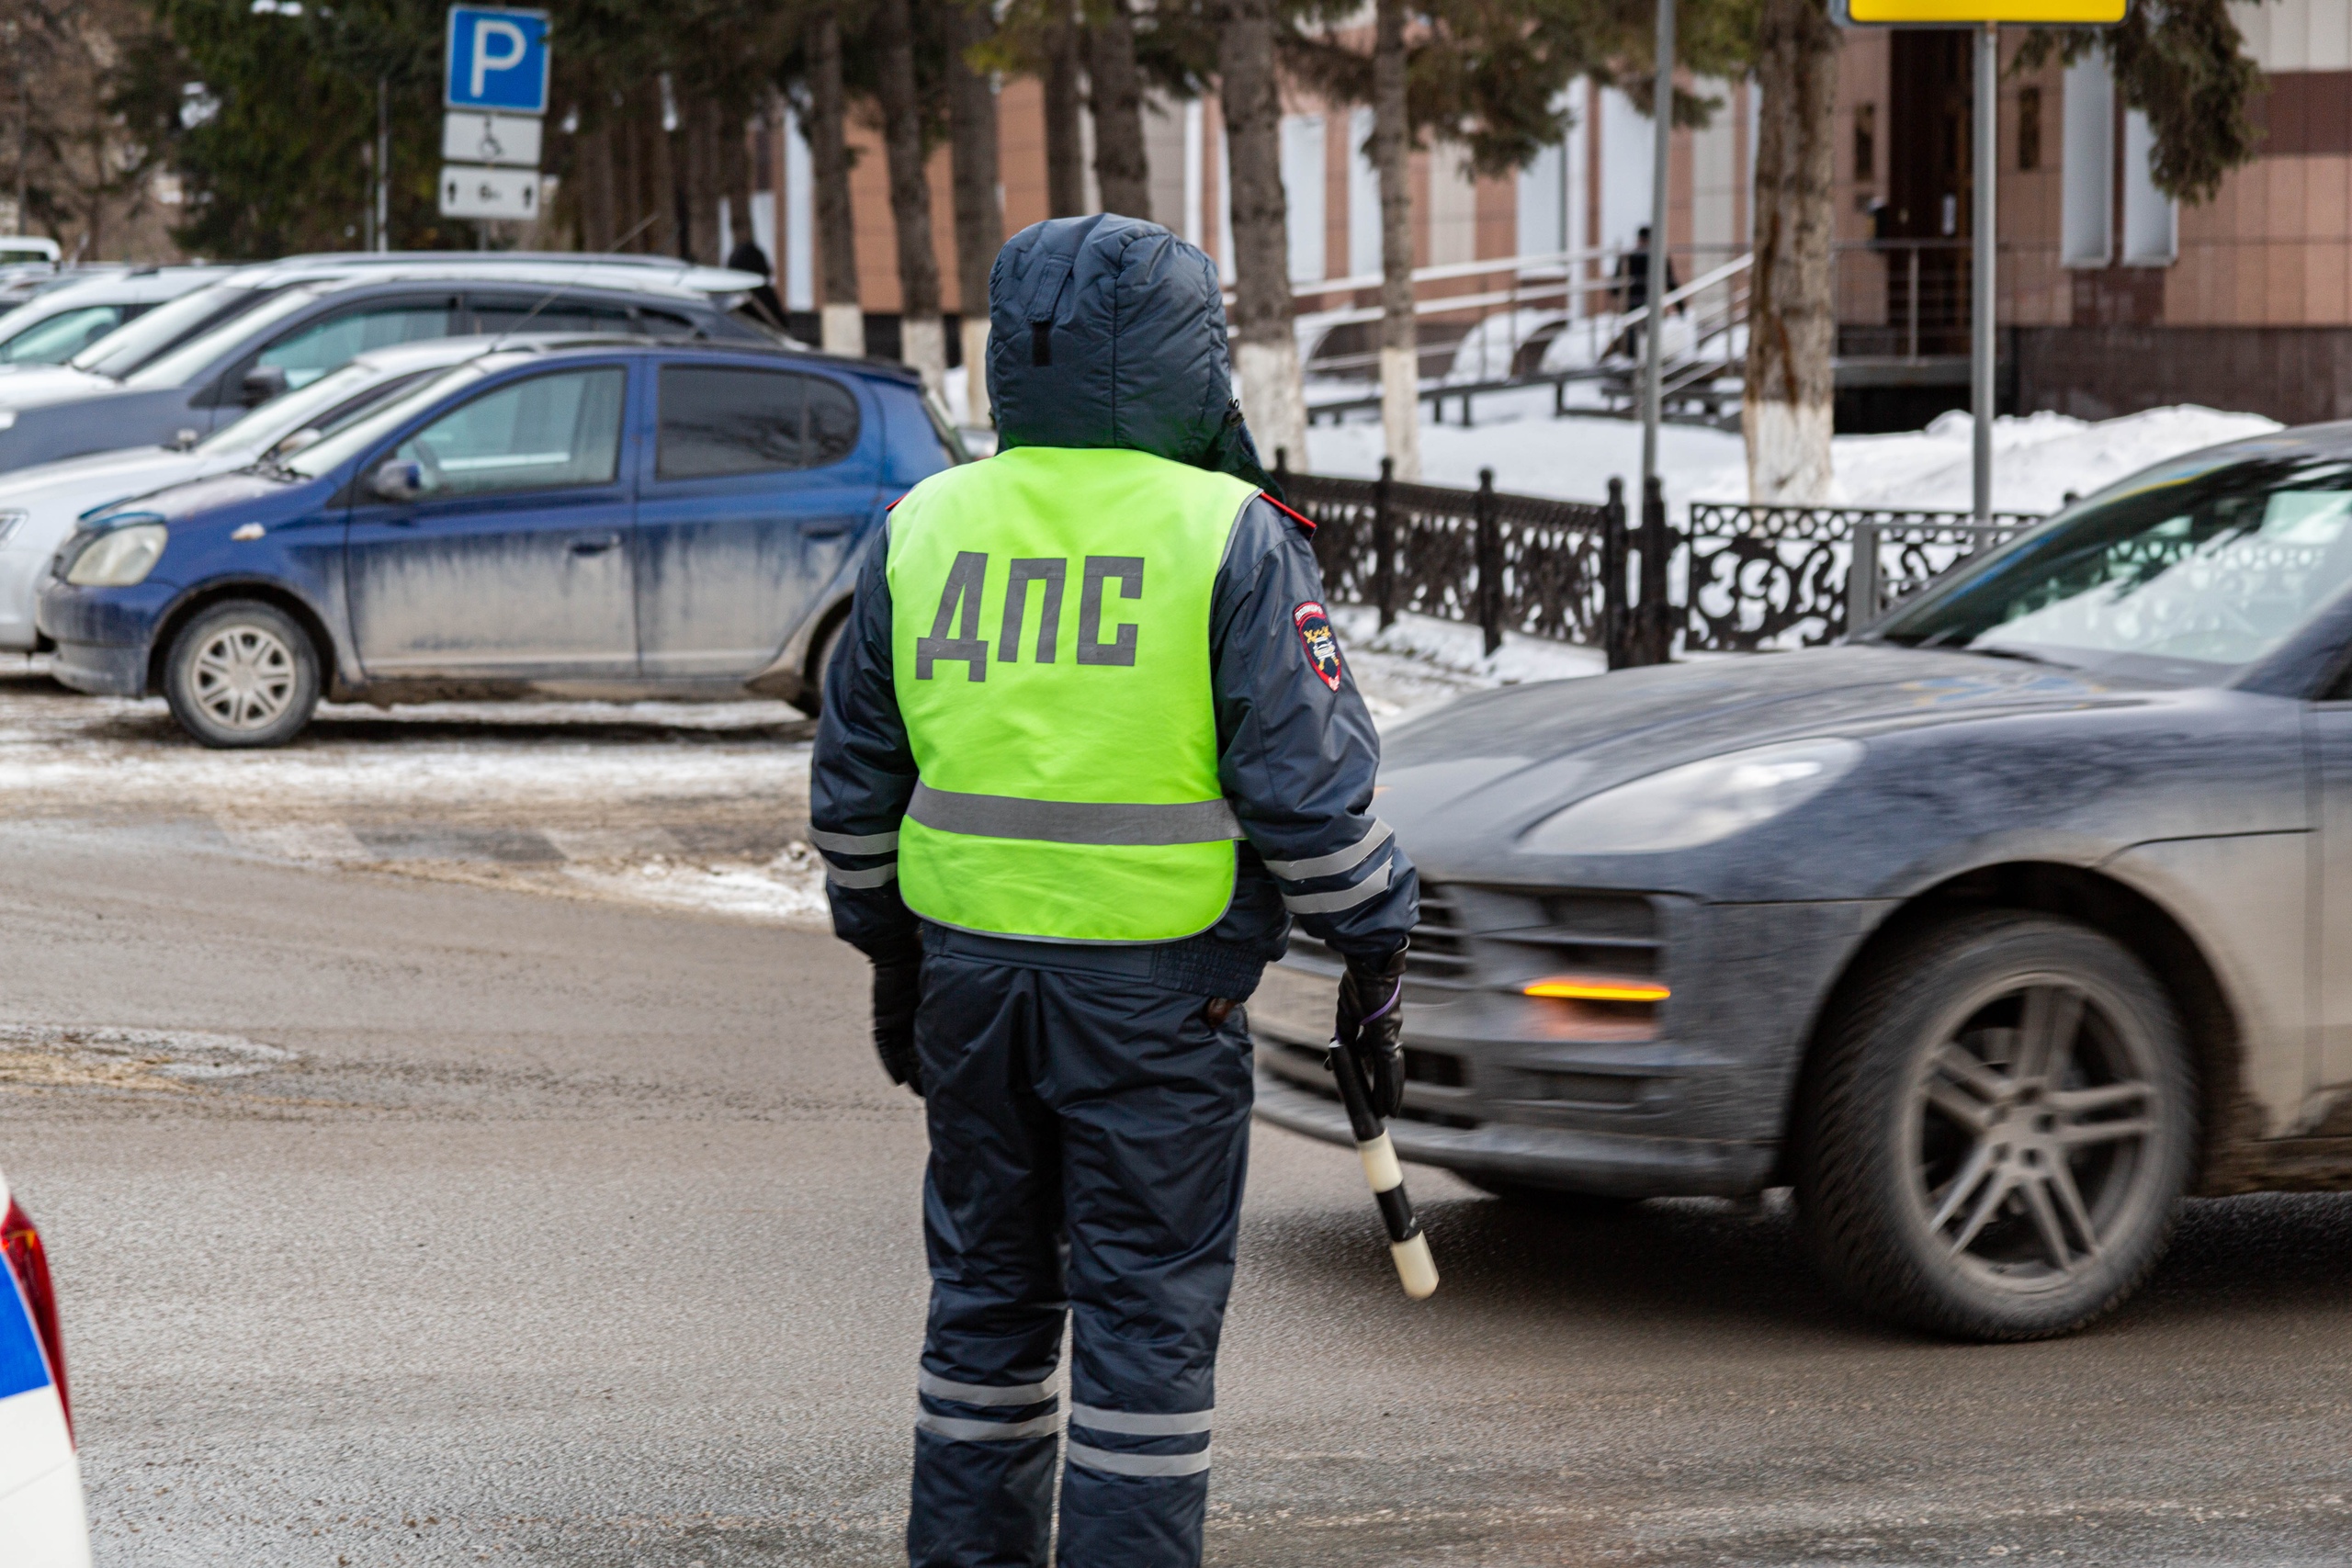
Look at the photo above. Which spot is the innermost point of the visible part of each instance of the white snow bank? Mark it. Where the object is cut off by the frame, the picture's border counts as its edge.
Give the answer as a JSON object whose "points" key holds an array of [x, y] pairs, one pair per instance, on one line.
{"points": [[2036, 458], [1421, 661]]}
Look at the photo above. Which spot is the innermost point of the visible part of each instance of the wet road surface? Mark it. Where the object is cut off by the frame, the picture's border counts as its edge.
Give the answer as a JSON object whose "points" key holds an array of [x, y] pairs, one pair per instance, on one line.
{"points": [[582, 1234]]}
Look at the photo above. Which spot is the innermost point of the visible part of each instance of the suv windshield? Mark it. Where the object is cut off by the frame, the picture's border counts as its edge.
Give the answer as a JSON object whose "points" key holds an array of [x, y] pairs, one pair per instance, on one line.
{"points": [[2184, 575], [181, 364], [135, 343]]}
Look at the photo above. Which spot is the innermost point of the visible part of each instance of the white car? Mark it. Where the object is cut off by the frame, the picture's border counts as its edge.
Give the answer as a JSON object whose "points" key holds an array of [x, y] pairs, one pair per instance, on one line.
{"points": [[43, 1522], [61, 321], [39, 506]]}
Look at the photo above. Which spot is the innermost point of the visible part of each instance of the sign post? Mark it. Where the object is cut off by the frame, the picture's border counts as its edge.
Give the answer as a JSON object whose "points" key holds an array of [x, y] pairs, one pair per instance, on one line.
{"points": [[494, 86], [1985, 18]]}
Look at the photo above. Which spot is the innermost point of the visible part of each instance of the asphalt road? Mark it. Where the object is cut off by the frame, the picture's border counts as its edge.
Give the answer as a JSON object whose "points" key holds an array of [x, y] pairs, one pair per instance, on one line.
{"points": [[584, 1234]]}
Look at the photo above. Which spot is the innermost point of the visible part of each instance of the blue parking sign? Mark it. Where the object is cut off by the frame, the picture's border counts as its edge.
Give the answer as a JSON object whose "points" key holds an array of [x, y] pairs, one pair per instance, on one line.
{"points": [[498, 59]]}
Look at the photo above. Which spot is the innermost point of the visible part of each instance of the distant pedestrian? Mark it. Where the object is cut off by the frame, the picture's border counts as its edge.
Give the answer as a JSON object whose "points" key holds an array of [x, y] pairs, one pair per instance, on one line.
{"points": [[762, 302], [1633, 286]]}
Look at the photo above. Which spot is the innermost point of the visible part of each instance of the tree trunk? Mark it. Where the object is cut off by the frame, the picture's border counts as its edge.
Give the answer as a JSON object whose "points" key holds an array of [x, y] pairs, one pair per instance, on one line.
{"points": [[595, 163], [1791, 315], [980, 213], [663, 202], [1122, 168], [1265, 348], [923, 346], [735, 177], [1391, 143], [1064, 142], [843, 323]]}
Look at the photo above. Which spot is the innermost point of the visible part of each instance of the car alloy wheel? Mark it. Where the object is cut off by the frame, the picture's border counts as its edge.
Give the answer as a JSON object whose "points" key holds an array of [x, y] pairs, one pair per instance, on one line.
{"points": [[2028, 1142], [244, 678], [241, 673], [1995, 1135]]}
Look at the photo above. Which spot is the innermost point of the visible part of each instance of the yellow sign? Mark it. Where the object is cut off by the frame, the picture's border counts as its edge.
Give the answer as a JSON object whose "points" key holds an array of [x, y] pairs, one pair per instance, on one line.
{"points": [[1968, 13]]}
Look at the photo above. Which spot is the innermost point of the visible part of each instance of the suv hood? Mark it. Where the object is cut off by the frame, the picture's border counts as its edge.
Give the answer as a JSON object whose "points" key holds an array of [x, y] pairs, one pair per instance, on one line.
{"points": [[1537, 748]]}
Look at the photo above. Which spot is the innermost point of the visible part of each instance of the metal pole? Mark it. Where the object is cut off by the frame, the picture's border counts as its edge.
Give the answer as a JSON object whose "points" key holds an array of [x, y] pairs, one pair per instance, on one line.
{"points": [[1981, 346], [383, 164], [1661, 177]]}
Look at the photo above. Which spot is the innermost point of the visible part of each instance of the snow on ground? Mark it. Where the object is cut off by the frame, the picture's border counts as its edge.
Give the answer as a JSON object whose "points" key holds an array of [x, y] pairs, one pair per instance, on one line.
{"points": [[1422, 663], [688, 807], [2037, 458]]}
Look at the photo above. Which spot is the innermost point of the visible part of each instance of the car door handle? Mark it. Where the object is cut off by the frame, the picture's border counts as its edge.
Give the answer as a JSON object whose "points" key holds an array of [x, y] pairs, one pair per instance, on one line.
{"points": [[824, 531], [595, 547]]}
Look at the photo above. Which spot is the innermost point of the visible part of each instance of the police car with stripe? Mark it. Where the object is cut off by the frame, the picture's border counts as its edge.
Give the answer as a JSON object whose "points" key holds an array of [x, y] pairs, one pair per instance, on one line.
{"points": [[41, 1519]]}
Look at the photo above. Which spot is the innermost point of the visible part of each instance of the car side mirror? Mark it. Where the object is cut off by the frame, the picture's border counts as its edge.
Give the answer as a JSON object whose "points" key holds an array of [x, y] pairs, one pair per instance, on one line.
{"points": [[262, 383], [397, 480]]}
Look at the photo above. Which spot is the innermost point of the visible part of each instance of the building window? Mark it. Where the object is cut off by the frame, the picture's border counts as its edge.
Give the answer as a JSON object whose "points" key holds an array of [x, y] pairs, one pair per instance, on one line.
{"points": [[2087, 166], [1865, 141], [2029, 128]]}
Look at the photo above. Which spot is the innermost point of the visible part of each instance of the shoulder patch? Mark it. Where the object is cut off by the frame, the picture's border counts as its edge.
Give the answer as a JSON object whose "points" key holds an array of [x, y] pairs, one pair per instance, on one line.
{"points": [[1322, 644]]}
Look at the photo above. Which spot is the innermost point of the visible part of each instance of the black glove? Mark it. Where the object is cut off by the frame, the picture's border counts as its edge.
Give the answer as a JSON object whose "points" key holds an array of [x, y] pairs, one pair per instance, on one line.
{"points": [[1372, 1019], [898, 988]]}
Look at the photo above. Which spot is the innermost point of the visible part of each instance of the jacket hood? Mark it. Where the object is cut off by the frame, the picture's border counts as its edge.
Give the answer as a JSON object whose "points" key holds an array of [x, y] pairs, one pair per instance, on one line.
{"points": [[1109, 332]]}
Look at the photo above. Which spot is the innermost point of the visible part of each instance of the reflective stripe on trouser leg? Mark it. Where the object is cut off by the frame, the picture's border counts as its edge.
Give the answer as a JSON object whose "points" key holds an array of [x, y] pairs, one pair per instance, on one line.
{"points": [[982, 1497], [1154, 1137]]}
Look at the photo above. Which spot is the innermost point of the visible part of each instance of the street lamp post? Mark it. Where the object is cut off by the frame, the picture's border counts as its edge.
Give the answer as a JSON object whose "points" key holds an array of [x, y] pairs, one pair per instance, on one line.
{"points": [[1661, 174]]}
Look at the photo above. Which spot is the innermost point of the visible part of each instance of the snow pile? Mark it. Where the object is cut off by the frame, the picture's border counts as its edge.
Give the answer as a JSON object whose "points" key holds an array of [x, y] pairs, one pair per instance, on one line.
{"points": [[2037, 458], [1421, 661]]}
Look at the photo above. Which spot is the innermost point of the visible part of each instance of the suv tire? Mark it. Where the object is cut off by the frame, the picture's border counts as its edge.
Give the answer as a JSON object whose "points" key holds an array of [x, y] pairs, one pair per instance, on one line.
{"points": [[242, 674], [1995, 1139]]}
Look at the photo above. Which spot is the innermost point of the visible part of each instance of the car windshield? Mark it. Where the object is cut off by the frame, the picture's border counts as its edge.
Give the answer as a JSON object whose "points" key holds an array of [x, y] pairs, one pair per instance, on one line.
{"points": [[2183, 575], [59, 336], [379, 422], [323, 407], [133, 343], [179, 365]]}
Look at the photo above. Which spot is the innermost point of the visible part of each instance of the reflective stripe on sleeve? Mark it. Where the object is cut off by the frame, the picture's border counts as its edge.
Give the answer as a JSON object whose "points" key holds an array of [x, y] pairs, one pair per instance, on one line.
{"points": [[981, 1394], [855, 844], [1136, 1464], [1339, 860], [876, 876], [1345, 899], [986, 1431], [1134, 1426], [1073, 821]]}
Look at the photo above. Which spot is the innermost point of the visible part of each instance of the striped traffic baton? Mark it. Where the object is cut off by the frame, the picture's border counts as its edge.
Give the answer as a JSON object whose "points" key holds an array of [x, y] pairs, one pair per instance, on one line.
{"points": [[1406, 1244]]}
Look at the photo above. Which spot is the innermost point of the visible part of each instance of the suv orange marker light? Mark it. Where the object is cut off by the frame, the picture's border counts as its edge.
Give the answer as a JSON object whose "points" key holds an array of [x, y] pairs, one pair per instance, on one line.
{"points": [[1583, 988]]}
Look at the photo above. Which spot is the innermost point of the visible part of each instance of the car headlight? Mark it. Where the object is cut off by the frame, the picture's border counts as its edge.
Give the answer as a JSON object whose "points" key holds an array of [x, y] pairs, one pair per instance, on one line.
{"points": [[118, 557], [10, 522], [1697, 803]]}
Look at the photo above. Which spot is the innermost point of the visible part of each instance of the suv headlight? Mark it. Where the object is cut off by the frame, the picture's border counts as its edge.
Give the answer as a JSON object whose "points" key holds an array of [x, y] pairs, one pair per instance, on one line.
{"points": [[1697, 803], [120, 558]]}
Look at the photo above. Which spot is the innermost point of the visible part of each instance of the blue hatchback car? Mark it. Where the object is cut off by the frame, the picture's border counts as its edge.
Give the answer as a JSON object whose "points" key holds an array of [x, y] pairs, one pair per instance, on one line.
{"points": [[604, 519]]}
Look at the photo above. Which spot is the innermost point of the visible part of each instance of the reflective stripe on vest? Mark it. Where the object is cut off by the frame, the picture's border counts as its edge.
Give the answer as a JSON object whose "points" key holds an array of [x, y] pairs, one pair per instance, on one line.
{"points": [[1050, 653]]}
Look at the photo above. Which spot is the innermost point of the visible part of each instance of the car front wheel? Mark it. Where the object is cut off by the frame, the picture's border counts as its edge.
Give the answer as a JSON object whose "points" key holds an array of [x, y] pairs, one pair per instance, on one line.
{"points": [[242, 674], [1996, 1136]]}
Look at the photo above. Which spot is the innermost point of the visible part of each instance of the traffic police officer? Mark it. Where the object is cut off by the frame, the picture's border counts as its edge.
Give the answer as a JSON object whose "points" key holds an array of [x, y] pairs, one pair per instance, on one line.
{"points": [[1087, 747]]}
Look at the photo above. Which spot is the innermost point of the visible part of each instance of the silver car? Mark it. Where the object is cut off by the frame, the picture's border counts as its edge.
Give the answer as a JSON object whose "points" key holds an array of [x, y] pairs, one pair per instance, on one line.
{"points": [[1993, 932]]}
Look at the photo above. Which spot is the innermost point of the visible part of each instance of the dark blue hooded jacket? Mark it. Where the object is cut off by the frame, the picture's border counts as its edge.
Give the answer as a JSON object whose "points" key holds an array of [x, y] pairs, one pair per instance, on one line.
{"points": [[1108, 331]]}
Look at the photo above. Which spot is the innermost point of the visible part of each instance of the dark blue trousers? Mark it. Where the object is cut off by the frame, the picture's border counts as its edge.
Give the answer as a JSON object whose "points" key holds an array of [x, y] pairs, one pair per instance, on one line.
{"points": [[1089, 1134]]}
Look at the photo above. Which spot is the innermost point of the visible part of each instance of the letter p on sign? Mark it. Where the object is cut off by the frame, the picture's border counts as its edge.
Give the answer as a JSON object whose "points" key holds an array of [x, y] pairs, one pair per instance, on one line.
{"points": [[498, 59]]}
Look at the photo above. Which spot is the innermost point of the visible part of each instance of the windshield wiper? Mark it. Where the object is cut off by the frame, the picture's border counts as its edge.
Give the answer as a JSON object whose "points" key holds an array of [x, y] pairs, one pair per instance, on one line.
{"points": [[2017, 653]]}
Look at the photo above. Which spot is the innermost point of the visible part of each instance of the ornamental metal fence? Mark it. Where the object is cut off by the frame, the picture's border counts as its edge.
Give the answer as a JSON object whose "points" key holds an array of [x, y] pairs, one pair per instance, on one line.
{"points": [[1738, 578]]}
